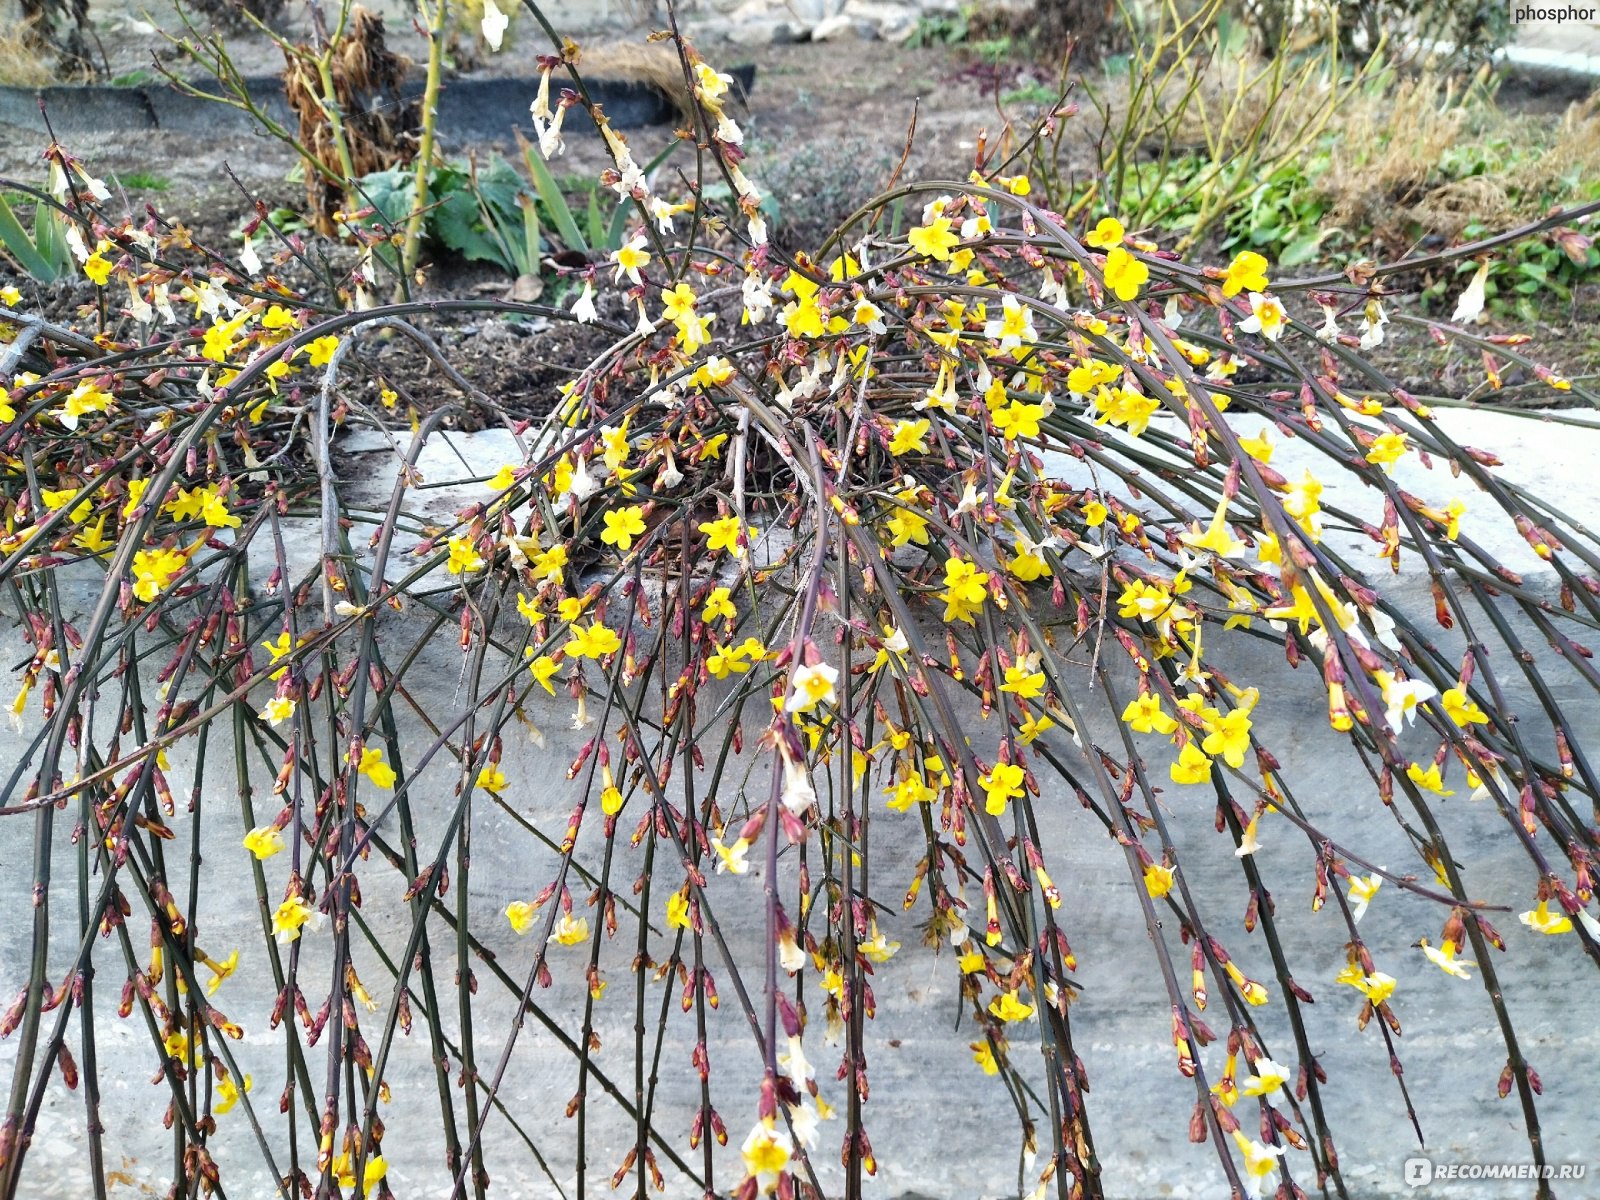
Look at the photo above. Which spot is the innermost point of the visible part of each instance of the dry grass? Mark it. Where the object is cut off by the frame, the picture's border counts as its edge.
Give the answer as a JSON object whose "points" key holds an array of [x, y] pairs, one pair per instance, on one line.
{"points": [[21, 63], [1389, 145], [652, 63]]}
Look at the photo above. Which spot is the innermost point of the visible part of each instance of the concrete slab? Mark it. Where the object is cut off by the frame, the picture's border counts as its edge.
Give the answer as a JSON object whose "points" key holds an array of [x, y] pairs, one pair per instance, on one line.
{"points": [[939, 1127]]}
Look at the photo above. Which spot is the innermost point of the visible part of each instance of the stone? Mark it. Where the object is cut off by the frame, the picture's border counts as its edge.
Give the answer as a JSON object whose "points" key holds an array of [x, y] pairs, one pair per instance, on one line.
{"points": [[892, 22], [843, 28], [765, 31]]}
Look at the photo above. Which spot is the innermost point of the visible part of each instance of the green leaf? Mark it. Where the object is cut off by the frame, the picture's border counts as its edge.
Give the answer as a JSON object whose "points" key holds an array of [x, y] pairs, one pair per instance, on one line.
{"points": [[550, 195], [1302, 250], [22, 247]]}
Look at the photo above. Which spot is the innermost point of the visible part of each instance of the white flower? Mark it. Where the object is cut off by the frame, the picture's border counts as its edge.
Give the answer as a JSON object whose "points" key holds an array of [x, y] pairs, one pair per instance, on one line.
{"points": [[1470, 306], [1372, 329], [1403, 698], [1362, 889], [798, 794], [669, 476], [550, 143], [1268, 1078], [248, 258], [162, 300], [138, 309], [1053, 290], [75, 242], [790, 956], [803, 1121], [494, 24], [1248, 843], [812, 685], [583, 484], [795, 1060], [757, 297], [96, 189], [662, 212], [1329, 329], [1266, 317], [583, 307]]}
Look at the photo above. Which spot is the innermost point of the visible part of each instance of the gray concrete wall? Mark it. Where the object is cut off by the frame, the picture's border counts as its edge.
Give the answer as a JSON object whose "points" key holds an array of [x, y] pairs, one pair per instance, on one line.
{"points": [[939, 1127]]}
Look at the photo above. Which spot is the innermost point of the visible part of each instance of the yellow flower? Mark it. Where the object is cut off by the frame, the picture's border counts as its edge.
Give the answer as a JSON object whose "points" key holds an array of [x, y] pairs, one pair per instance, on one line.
{"points": [[1192, 766], [1429, 780], [723, 534], [622, 526], [630, 258], [319, 351], [731, 858], [492, 779], [1260, 1160], [1543, 920], [520, 913], [82, 400], [909, 436], [712, 373], [288, 919], [1029, 685], [1144, 715], [277, 710], [464, 557], [1019, 420], [264, 841], [934, 240], [718, 606], [983, 1055], [965, 589], [571, 930], [1387, 449], [765, 1151], [544, 668], [1124, 274], [1246, 273], [1032, 726], [678, 910], [678, 301], [228, 1093], [374, 768], [1157, 880], [1230, 738], [1106, 234], [1007, 1007], [596, 642], [1444, 957], [1362, 890], [1376, 987], [97, 266], [1000, 786], [1217, 537], [154, 571], [219, 972], [1259, 447], [1462, 710]]}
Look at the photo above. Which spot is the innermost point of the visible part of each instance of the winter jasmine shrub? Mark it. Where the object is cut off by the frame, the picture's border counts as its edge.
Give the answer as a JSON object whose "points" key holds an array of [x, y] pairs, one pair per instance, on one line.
{"points": [[849, 571]]}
